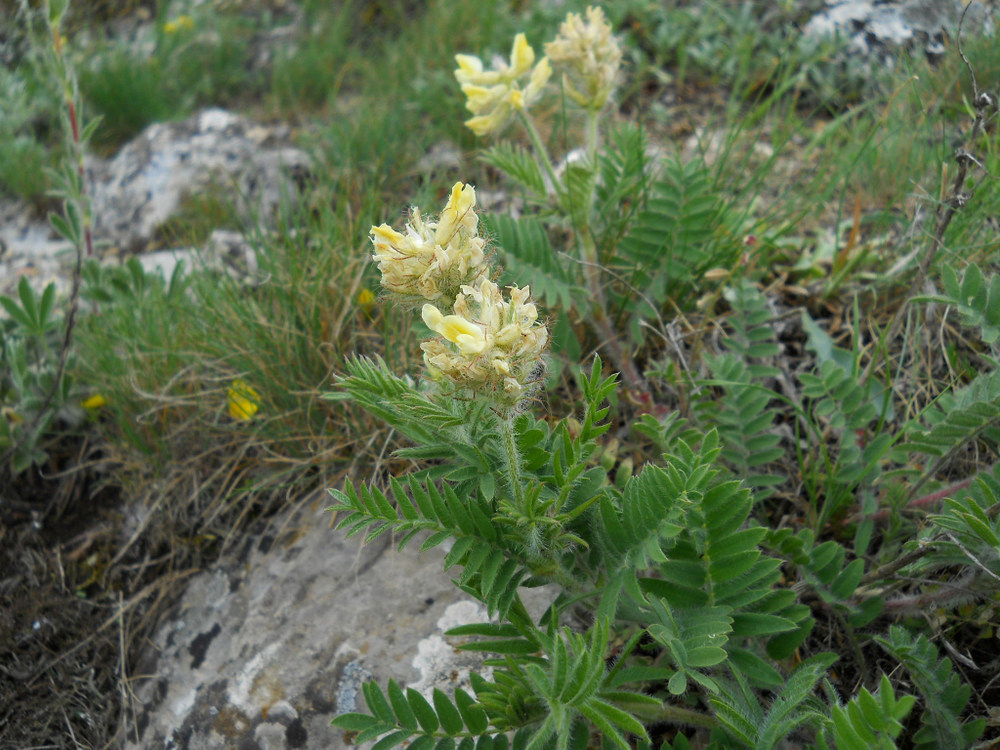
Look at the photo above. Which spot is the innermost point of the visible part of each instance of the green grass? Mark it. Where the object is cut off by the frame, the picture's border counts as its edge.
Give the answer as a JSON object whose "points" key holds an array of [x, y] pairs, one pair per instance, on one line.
{"points": [[742, 46], [175, 69], [25, 151], [197, 61], [312, 68], [128, 94], [165, 357], [196, 217], [22, 167]]}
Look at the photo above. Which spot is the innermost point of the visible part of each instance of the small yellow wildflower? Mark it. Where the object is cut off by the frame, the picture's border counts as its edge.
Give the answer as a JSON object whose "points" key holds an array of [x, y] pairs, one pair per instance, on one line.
{"points": [[243, 401], [95, 402], [181, 23], [366, 301], [494, 96], [588, 56]]}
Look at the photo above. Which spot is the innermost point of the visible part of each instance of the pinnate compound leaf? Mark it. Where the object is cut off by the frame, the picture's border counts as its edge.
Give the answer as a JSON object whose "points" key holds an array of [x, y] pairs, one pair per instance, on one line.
{"points": [[944, 694]]}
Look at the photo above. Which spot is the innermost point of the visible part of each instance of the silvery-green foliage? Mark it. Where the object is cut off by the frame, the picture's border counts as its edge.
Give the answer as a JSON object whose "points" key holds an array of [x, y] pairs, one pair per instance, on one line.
{"points": [[975, 297], [29, 342], [944, 694], [671, 553]]}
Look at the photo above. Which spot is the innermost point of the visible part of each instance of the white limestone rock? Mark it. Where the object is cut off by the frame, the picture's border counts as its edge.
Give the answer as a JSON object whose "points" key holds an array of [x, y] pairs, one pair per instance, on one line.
{"points": [[139, 189], [143, 186], [264, 649], [879, 28]]}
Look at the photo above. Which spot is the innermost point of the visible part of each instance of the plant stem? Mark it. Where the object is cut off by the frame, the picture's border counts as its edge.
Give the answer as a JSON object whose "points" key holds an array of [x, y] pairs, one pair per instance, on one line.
{"points": [[593, 138], [950, 595], [506, 423], [76, 204], [592, 269], [920, 502], [956, 200], [593, 142], [676, 714], [588, 255], [599, 318], [540, 151], [883, 571], [75, 141]]}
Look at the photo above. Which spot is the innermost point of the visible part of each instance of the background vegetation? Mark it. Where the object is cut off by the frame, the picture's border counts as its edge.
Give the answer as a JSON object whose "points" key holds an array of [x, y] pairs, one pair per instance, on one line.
{"points": [[802, 196]]}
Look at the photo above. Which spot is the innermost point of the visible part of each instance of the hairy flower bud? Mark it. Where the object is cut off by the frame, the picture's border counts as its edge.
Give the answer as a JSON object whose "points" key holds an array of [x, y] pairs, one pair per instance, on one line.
{"points": [[588, 56]]}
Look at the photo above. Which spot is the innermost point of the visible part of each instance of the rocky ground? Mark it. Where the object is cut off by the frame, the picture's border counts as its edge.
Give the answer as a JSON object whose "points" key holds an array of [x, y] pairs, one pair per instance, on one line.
{"points": [[264, 649]]}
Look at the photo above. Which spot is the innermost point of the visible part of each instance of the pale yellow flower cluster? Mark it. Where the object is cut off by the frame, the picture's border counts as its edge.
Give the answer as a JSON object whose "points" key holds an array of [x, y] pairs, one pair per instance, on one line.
{"points": [[433, 260], [589, 58], [494, 96], [489, 343]]}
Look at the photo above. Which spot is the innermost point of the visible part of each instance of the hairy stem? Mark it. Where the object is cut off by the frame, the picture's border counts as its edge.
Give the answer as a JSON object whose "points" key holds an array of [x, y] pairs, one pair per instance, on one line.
{"points": [[949, 595], [593, 136], [593, 139], [76, 203], [589, 258], [889, 568], [687, 716], [920, 502], [513, 457]]}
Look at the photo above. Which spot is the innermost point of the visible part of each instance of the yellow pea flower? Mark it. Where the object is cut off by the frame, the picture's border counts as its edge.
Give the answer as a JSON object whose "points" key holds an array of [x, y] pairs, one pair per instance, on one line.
{"points": [[469, 337], [494, 96], [243, 401], [433, 259], [489, 343], [470, 67], [459, 214], [366, 301], [589, 58], [94, 402]]}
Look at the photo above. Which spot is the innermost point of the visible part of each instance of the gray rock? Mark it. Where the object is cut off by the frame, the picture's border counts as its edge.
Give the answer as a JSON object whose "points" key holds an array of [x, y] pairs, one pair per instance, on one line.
{"points": [[30, 248], [262, 652], [226, 251], [135, 192], [443, 157], [878, 28], [840, 19], [143, 185]]}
